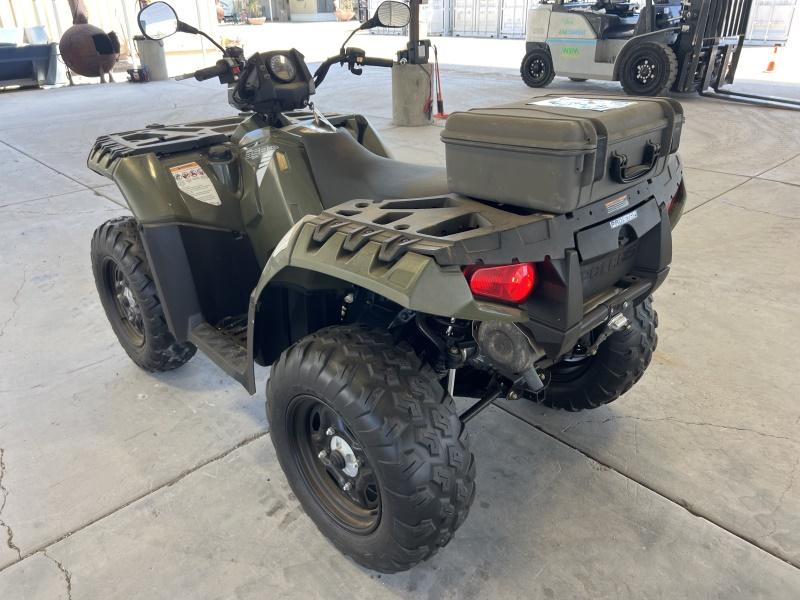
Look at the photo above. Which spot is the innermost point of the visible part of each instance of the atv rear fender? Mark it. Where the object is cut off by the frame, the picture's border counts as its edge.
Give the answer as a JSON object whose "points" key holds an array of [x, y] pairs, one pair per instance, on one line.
{"points": [[414, 281]]}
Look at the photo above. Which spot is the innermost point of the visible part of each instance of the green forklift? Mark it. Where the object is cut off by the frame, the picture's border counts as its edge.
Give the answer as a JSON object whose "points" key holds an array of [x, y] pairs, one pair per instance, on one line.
{"points": [[667, 45]]}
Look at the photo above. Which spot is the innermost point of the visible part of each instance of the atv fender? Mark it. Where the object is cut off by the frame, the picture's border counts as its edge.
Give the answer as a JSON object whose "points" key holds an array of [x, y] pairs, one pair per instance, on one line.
{"points": [[413, 281]]}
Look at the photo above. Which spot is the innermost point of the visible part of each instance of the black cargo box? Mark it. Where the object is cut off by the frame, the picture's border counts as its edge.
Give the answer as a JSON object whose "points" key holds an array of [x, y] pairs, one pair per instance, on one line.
{"points": [[557, 153]]}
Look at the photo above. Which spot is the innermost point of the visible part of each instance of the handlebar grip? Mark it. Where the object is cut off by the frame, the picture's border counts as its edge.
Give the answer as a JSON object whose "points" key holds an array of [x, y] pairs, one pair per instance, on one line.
{"points": [[209, 72], [377, 62]]}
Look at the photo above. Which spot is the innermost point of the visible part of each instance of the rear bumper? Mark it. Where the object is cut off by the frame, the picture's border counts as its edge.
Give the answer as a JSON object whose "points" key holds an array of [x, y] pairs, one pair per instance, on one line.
{"points": [[593, 282], [590, 261]]}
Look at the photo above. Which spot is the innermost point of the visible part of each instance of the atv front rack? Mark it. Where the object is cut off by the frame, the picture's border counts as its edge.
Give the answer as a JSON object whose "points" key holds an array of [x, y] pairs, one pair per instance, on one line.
{"points": [[159, 139]]}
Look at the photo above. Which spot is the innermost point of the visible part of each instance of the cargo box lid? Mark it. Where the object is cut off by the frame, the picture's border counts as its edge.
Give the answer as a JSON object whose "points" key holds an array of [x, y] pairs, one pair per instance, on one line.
{"points": [[561, 123]]}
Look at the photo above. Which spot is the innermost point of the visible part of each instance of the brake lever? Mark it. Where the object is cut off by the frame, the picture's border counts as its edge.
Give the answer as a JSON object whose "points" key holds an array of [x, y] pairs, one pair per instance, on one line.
{"points": [[355, 56]]}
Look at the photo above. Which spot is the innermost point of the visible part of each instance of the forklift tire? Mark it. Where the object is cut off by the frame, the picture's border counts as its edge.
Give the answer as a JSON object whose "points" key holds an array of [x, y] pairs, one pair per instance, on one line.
{"points": [[129, 297], [371, 444], [537, 68], [578, 79], [619, 363], [648, 69]]}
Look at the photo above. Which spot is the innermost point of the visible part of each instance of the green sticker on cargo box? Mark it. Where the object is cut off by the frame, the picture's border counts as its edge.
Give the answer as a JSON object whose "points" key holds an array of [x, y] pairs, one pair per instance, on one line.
{"points": [[597, 104]]}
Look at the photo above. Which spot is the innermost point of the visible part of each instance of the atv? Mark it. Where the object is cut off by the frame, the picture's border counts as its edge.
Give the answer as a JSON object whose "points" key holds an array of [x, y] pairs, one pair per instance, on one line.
{"points": [[376, 289]]}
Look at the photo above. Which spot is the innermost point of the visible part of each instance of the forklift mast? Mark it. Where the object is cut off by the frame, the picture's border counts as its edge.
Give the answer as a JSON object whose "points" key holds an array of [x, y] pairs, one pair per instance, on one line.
{"points": [[710, 42]]}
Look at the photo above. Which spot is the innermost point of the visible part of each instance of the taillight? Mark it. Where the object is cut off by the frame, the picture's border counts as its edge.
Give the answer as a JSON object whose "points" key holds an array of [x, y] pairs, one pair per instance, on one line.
{"points": [[509, 283]]}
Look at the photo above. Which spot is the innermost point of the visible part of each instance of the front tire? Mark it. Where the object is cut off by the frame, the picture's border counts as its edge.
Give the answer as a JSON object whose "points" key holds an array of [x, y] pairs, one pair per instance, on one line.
{"points": [[129, 297], [346, 405], [537, 68], [592, 381], [648, 69]]}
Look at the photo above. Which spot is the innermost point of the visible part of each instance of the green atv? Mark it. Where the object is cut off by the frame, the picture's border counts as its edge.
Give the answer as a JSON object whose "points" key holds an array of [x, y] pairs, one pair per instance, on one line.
{"points": [[377, 289]]}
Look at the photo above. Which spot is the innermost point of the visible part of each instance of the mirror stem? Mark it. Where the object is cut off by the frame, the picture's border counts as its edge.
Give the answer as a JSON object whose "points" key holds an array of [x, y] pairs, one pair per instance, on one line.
{"points": [[186, 28], [352, 33]]}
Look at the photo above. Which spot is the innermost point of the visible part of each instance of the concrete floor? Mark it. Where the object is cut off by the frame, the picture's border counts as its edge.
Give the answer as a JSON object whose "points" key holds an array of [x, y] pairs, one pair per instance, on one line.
{"points": [[120, 484]]}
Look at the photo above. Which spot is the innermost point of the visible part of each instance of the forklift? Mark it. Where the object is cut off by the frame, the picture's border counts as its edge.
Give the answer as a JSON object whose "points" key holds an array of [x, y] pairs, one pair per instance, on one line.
{"points": [[677, 45]]}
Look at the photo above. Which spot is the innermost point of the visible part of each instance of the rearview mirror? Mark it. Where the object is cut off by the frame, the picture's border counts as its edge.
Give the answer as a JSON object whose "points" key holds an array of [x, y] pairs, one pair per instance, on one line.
{"points": [[158, 21], [393, 14]]}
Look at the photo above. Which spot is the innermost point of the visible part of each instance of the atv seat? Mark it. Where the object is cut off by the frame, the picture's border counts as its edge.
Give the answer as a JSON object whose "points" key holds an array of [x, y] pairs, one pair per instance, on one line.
{"points": [[344, 170]]}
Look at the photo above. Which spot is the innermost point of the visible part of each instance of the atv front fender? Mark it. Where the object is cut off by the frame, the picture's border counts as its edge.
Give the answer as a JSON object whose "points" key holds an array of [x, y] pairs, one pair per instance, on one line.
{"points": [[413, 281]]}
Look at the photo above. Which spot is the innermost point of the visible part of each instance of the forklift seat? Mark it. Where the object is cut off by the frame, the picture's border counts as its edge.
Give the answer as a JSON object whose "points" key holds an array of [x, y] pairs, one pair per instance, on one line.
{"points": [[618, 28]]}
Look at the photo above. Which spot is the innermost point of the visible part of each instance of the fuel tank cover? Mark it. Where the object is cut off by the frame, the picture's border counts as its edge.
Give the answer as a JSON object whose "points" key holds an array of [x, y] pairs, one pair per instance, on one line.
{"points": [[220, 153]]}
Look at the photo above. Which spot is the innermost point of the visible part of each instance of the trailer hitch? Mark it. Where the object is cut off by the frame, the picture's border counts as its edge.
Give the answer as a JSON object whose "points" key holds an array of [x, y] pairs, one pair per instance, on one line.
{"points": [[502, 386], [496, 388]]}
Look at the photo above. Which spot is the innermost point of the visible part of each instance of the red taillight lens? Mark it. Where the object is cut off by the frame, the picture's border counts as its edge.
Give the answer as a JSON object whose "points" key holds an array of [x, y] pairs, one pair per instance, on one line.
{"points": [[509, 283]]}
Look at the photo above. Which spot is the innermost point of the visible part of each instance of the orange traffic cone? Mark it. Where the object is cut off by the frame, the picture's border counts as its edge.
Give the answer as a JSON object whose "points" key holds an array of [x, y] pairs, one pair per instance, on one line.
{"points": [[771, 63]]}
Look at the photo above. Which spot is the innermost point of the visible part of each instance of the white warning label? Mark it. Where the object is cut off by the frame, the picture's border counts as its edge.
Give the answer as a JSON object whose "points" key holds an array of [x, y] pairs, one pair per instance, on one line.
{"points": [[600, 105], [193, 181]]}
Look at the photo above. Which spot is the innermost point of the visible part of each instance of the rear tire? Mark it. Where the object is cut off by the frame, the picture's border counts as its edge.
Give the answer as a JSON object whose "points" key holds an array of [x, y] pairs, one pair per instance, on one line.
{"points": [[128, 295], [648, 69], [355, 384], [619, 363], [537, 68]]}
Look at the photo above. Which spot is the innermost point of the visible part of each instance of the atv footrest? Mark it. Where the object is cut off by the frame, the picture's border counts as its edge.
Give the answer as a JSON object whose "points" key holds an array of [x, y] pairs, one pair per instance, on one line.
{"points": [[225, 344]]}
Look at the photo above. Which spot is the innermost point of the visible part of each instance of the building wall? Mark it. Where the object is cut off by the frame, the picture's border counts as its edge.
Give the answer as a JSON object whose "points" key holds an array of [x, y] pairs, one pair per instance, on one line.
{"points": [[109, 15], [303, 7]]}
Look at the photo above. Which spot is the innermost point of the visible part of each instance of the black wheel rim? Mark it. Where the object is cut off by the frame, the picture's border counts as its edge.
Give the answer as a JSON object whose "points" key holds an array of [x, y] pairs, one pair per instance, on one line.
{"points": [[333, 465], [125, 304], [645, 72], [538, 69]]}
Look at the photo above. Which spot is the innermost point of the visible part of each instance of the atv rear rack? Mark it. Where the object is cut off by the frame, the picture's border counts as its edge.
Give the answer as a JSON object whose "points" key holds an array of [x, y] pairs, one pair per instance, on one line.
{"points": [[457, 231]]}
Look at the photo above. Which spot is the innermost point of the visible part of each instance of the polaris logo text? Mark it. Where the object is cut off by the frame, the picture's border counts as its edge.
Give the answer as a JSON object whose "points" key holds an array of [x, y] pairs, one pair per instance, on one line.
{"points": [[620, 221]]}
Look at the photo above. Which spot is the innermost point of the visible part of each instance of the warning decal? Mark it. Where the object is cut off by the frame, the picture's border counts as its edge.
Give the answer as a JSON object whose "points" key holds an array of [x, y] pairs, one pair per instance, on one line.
{"points": [[193, 181]]}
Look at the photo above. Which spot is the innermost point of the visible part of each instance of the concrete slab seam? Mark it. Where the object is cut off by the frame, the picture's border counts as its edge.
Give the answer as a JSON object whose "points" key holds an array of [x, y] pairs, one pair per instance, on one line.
{"points": [[44, 164], [664, 494], [43, 547]]}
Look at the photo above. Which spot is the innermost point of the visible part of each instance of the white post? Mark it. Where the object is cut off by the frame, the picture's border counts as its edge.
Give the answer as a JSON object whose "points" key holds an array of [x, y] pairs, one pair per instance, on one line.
{"points": [[199, 26], [128, 30], [59, 29]]}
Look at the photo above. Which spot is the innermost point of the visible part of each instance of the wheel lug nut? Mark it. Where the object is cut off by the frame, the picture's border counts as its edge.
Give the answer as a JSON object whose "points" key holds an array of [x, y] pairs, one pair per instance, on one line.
{"points": [[323, 454], [347, 486], [330, 431]]}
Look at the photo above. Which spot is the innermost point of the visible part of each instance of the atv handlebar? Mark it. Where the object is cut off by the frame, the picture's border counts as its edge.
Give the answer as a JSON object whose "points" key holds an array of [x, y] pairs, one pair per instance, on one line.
{"points": [[355, 58], [377, 62], [227, 68], [216, 70]]}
